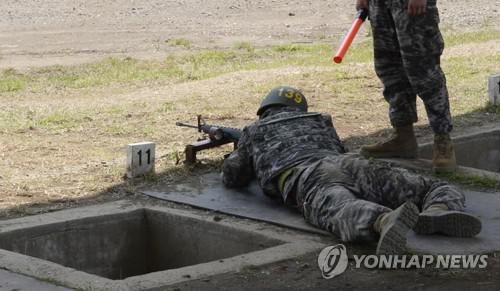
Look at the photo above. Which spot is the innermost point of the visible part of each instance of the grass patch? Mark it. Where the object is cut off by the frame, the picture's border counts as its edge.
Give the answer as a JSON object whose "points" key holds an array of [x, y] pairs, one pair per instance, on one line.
{"points": [[106, 72], [458, 38], [167, 107], [289, 48], [56, 119], [321, 36], [59, 120], [12, 120], [11, 81], [308, 49], [249, 47], [361, 53], [474, 181], [94, 134], [244, 56], [492, 108], [467, 78], [207, 64], [119, 130], [179, 42], [467, 75], [175, 68], [10, 84]]}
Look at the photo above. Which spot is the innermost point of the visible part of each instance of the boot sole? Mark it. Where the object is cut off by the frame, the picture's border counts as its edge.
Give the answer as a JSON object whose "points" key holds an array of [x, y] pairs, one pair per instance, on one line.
{"points": [[387, 155], [451, 223], [393, 237]]}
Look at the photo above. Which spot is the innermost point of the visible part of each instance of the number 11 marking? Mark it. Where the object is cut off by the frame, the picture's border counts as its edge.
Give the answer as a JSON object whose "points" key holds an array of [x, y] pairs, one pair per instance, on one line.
{"points": [[148, 152]]}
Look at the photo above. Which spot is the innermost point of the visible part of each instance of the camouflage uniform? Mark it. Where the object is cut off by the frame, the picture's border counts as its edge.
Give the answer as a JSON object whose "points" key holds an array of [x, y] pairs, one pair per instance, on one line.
{"points": [[337, 192], [407, 60]]}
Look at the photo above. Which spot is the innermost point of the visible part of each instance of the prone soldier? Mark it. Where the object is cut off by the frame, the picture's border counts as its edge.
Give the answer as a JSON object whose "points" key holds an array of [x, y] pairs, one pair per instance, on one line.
{"points": [[299, 157]]}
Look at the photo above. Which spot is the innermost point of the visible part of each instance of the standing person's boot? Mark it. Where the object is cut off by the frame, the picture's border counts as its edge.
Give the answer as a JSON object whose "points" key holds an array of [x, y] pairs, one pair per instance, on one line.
{"points": [[443, 155], [438, 218], [393, 227], [402, 144]]}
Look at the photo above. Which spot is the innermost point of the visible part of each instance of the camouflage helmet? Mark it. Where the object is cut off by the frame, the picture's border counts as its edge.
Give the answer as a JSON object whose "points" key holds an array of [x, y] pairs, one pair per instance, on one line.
{"points": [[283, 96]]}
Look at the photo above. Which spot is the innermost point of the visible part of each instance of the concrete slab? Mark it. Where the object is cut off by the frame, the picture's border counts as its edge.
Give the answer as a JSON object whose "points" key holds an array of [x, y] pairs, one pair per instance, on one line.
{"points": [[11, 281], [208, 192]]}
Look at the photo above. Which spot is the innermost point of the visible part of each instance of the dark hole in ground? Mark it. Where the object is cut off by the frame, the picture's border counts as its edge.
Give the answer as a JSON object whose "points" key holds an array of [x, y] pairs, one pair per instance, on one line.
{"points": [[134, 243], [481, 151]]}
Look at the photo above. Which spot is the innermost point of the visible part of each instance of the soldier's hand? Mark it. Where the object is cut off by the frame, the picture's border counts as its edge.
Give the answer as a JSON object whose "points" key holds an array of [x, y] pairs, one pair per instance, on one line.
{"points": [[361, 4], [417, 7]]}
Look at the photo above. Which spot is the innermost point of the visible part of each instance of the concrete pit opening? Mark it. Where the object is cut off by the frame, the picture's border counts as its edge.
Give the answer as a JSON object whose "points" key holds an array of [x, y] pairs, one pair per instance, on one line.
{"points": [[479, 150], [123, 246], [133, 243]]}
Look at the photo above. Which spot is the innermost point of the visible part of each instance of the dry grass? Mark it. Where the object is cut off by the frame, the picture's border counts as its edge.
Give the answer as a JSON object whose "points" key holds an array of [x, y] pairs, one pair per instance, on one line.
{"points": [[63, 130]]}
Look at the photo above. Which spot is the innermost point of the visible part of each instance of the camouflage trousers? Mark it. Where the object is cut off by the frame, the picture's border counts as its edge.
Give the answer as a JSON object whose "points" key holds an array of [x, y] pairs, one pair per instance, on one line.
{"points": [[407, 52], [345, 194]]}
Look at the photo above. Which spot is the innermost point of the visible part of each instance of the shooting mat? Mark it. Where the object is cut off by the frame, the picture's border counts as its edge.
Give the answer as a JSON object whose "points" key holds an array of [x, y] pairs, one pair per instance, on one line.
{"points": [[207, 192]]}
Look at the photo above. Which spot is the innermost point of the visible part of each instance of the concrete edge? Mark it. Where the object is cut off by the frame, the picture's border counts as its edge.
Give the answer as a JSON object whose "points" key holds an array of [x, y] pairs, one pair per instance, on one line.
{"points": [[466, 136], [115, 207], [275, 254], [249, 225], [312, 229], [52, 272]]}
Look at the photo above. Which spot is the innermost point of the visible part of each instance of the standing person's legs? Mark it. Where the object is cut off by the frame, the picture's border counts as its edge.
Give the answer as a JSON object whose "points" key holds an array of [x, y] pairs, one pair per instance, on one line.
{"points": [[390, 68], [397, 88], [421, 45]]}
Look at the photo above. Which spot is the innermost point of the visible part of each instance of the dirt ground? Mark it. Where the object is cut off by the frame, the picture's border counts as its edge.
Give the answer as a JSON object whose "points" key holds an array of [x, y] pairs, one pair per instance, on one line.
{"points": [[40, 33], [303, 274], [60, 165]]}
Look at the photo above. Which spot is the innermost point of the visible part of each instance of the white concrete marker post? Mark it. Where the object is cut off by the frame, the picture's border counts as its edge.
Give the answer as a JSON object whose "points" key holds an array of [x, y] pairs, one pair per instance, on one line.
{"points": [[140, 159], [494, 89]]}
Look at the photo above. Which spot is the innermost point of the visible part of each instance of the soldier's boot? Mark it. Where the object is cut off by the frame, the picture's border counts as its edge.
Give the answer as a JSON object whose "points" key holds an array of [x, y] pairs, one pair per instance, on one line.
{"points": [[443, 155], [439, 219], [393, 226], [402, 144]]}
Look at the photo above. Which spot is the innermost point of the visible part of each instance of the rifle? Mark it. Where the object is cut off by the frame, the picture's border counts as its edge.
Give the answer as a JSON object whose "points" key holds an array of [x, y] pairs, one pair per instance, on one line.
{"points": [[346, 43], [217, 136]]}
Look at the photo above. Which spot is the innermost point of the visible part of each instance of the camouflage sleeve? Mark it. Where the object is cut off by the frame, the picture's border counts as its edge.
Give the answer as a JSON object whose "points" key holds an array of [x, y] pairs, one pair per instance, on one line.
{"points": [[237, 170], [328, 119], [329, 122]]}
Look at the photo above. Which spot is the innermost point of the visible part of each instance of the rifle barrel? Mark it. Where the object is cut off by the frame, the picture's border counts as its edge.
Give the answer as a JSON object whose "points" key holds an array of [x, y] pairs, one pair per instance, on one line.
{"points": [[186, 125]]}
